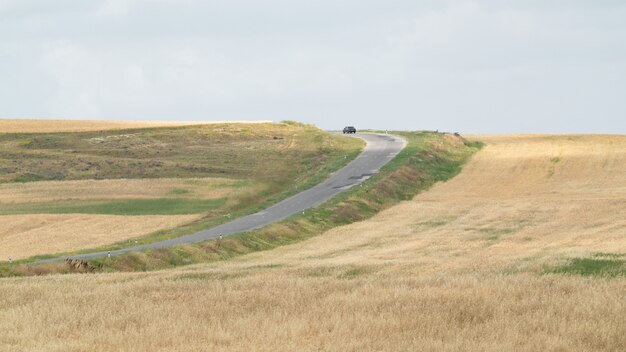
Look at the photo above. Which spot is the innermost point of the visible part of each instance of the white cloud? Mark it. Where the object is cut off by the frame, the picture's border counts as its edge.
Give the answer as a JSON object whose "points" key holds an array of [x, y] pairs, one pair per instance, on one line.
{"points": [[78, 77], [462, 65], [113, 8]]}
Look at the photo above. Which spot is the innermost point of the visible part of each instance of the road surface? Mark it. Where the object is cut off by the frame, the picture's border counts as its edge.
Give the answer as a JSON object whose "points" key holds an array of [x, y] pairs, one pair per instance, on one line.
{"points": [[380, 149]]}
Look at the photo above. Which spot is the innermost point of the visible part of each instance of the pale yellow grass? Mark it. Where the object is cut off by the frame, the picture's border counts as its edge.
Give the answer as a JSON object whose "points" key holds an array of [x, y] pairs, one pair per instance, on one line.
{"points": [[46, 126], [456, 269], [47, 191], [23, 236], [26, 235]]}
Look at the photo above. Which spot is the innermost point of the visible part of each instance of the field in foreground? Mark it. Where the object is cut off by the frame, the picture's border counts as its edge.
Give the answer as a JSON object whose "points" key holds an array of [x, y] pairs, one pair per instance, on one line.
{"points": [[52, 184], [465, 266]]}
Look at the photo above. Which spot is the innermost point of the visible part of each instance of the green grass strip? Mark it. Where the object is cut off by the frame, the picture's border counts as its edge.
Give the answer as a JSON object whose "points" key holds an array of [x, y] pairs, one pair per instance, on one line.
{"points": [[599, 266], [159, 206]]}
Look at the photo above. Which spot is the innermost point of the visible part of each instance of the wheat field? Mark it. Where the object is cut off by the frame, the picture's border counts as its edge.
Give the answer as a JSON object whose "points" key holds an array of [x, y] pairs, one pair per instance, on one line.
{"points": [[47, 126], [23, 236], [458, 268], [50, 191]]}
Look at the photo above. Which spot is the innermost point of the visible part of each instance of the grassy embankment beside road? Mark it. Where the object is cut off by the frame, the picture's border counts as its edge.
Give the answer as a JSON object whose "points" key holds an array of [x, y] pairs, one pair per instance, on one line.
{"points": [[59, 190], [428, 158]]}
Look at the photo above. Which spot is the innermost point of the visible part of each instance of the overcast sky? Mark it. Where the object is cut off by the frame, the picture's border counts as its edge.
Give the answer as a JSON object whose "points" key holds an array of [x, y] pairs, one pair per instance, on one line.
{"points": [[482, 66]]}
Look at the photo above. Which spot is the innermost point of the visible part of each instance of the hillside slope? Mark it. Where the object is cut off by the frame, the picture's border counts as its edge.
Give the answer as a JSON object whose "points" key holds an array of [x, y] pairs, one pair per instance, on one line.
{"points": [[61, 191], [464, 266]]}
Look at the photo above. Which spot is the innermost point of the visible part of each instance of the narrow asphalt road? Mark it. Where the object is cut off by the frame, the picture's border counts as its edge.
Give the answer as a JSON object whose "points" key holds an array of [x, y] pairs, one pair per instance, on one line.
{"points": [[380, 149]]}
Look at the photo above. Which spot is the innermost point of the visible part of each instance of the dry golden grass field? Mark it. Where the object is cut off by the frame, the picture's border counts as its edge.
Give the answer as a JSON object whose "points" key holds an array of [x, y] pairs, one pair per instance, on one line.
{"points": [[23, 236], [46, 126], [461, 267], [26, 235], [50, 191]]}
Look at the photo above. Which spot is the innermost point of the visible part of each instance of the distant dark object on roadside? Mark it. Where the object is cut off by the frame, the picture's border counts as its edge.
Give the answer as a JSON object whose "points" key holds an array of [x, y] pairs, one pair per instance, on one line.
{"points": [[349, 129]]}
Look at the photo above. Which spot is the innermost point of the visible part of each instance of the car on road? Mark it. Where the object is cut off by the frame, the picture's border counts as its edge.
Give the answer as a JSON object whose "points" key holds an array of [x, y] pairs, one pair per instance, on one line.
{"points": [[349, 129]]}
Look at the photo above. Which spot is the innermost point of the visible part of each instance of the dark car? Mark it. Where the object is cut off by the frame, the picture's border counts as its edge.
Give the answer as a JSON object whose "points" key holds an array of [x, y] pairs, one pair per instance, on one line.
{"points": [[349, 129]]}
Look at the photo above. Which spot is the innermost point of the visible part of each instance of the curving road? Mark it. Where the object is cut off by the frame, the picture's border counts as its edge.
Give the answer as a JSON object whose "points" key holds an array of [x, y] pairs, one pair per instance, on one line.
{"points": [[380, 149]]}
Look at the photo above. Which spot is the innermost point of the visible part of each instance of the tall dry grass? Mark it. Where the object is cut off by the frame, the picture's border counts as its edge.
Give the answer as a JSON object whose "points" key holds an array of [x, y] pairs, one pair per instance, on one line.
{"points": [[50, 191], [458, 268], [46, 126], [307, 309], [23, 236]]}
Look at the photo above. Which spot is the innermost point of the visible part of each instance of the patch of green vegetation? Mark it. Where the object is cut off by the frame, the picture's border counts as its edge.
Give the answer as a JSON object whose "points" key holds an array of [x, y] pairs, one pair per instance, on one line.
{"points": [[496, 230], [320, 271], [292, 123], [608, 255], [28, 177], [159, 206], [494, 233], [179, 191], [267, 266], [354, 272], [554, 160], [341, 272], [208, 276], [597, 267], [429, 157], [431, 223], [197, 276]]}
